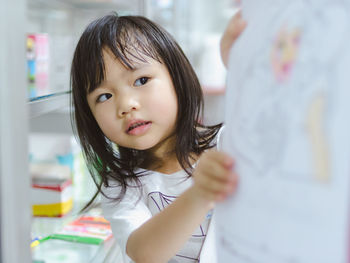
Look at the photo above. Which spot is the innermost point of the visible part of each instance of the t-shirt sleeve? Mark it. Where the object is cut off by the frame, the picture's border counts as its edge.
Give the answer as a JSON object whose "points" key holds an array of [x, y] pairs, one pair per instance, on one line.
{"points": [[219, 139], [126, 216]]}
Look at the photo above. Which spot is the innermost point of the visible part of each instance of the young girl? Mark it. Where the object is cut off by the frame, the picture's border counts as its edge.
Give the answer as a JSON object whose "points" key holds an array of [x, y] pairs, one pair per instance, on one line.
{"points": [[137, 108]]}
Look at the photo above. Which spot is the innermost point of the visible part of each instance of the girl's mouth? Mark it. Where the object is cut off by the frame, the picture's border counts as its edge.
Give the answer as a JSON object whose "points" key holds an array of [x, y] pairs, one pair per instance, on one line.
{"points": [[139, 128]]}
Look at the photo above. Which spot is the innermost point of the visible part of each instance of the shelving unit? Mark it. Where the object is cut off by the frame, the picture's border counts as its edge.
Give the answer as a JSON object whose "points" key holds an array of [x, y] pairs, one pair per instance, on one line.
{"points": [[50, 114], [43, 105]]}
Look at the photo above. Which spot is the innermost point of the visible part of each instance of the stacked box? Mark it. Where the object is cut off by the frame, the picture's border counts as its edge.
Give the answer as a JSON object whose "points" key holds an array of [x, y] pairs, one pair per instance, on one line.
{"points": [[38, 64], [52, 195]]}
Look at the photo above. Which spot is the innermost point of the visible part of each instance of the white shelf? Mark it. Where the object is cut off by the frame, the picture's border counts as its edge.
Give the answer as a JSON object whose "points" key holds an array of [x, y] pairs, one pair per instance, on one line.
{"points": [[49, 103]]}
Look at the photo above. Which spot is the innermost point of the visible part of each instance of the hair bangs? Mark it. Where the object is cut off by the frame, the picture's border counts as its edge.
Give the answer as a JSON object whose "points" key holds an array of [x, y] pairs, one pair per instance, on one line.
{"points": [[127, 41], [131, 46]]}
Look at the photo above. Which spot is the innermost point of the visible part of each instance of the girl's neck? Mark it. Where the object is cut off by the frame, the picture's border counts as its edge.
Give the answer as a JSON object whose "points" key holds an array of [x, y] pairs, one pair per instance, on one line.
{"points": [[163, 158], [168, 164]]}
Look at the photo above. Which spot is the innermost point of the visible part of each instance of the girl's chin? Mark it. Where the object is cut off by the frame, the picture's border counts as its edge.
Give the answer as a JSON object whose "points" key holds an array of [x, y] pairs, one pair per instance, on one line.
{"points": [[139, 147], [152, 145]]}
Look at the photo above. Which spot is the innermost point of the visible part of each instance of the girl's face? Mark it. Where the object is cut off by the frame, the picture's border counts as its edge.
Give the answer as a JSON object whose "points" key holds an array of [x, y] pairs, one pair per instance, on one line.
{"points": [[135, 108]]}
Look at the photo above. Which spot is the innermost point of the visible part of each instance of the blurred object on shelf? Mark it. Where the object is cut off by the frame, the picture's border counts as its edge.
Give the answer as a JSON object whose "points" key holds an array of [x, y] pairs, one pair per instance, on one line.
{"points": [[58, 156], [84, 186], [87, 229], [60, 61], [44, 171], [35, 241], [87, 238], [51, 165], [51, 197], [51, 148], [56, 251], [38, 64]]}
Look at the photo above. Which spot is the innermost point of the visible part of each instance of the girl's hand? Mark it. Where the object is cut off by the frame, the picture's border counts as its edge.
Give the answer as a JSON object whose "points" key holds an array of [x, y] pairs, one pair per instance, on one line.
{"points": [[233, 30], [214, 178]]}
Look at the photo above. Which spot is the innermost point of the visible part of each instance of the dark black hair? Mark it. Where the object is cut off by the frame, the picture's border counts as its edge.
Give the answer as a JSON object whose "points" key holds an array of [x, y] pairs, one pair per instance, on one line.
{"points": [[120, 34]]}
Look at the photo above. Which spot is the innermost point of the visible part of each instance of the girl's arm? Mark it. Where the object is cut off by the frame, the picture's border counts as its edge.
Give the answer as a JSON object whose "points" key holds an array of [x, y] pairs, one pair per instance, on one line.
{"points": [[233, 30], [161, 237]]}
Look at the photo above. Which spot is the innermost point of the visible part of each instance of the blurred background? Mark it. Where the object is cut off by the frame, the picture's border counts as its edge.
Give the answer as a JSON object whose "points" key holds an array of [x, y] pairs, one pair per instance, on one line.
{"points": [[43, 179], [196, 24]]}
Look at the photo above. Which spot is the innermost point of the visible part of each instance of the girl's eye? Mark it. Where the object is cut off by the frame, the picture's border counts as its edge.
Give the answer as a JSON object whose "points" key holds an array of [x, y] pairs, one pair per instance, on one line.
{"points": [[141, 81], [104, 97]]}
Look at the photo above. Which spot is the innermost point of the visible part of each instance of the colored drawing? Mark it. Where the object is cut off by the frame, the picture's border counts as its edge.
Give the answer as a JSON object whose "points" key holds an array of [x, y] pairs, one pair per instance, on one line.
{"points": [[286, 125], [284, 52]]}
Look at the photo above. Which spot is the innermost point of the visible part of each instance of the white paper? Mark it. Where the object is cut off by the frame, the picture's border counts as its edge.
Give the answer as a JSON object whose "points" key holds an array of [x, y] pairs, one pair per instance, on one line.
{"points": [[288, 127]]}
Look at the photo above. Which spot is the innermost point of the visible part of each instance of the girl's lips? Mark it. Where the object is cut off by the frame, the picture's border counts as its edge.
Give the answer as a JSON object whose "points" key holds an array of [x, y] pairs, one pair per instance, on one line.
{"points": [[139, 128]]}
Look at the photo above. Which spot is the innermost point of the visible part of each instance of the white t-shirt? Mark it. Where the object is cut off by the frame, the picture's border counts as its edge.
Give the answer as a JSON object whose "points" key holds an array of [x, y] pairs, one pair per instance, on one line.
{"points": [[158, 192]]}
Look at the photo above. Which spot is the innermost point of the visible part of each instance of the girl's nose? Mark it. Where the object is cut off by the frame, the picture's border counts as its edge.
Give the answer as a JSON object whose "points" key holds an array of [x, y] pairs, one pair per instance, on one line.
{"points": [[126, 106]]}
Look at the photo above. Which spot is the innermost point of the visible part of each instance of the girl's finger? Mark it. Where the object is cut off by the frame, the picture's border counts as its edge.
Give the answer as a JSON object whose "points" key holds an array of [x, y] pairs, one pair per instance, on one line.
{"points": [[215, 171], [215, 186], [220, 157]]}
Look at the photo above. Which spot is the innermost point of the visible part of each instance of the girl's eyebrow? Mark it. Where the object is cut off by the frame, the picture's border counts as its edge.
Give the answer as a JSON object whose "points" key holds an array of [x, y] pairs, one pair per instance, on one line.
{"points": [[100, 86]]}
